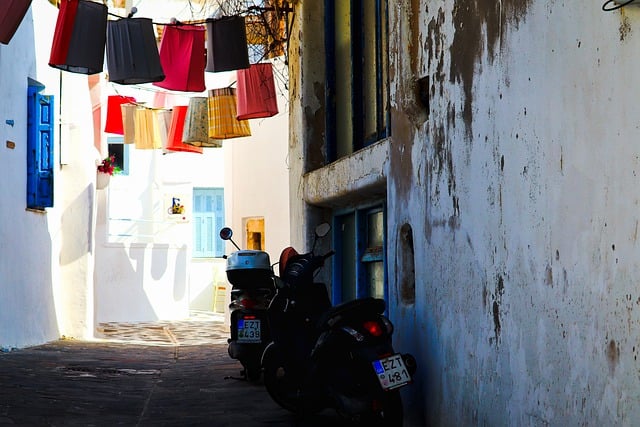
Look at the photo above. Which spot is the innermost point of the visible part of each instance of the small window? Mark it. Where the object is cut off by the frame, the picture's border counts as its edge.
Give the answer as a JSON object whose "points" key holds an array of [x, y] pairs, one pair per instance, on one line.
{"points": [[254, 228], [40, 147], [360, 271], [208, 219], [117, 147]]}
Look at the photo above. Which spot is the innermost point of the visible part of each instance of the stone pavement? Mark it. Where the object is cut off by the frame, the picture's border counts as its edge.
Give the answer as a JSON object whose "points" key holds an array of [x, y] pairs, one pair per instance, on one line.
{"points": [[139, 374]]}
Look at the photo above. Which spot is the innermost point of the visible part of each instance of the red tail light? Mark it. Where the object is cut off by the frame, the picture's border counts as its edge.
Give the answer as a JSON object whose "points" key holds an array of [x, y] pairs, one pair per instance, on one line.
{"points": [[249, 317], [373, 328], [247, 303]]}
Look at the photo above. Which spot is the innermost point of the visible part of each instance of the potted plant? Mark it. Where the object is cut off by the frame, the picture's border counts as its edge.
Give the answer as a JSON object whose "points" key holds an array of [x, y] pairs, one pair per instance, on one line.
{"points": [[106, 168]]}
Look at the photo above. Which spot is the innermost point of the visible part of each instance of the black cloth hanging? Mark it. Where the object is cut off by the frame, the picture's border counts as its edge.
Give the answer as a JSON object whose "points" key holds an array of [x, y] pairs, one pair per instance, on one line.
{"points": [[79, 38], [227, 48], [132, 52]]}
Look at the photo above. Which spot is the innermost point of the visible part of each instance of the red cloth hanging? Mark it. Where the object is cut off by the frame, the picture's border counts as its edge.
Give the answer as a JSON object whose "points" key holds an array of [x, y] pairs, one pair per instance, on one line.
{"points": [[183, 57], [114, 123], [80, 37], [256, 92], [11, 16], [174, 140]]}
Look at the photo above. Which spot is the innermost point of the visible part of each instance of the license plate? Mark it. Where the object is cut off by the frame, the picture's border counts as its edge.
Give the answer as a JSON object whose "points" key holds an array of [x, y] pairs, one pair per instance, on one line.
{"points": [[392, 372], [249, 330]]}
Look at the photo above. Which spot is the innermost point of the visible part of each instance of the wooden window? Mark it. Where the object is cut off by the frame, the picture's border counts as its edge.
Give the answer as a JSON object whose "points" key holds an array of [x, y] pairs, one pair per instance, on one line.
{"points": [[360, 269], [208, 219], [40, 113], [357, 75]]}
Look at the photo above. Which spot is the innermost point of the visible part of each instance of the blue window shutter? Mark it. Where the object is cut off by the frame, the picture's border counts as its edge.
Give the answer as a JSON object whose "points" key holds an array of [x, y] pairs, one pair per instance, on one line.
{"points": [[39, 149], [208, 219]]}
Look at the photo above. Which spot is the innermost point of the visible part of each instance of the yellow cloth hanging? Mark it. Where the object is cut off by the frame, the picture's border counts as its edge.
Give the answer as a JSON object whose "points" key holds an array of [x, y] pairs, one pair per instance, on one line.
{"points": [[147, 129], [223, 122]]}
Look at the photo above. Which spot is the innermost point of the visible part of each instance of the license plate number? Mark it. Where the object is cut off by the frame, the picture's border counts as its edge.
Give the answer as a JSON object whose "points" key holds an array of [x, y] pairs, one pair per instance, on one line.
{"points": [[392, 372], [249, 330]]}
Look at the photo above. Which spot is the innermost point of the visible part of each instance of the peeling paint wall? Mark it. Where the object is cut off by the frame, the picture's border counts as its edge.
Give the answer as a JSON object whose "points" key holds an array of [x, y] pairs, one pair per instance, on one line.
{"points": [[518, 178], [525, 174]]}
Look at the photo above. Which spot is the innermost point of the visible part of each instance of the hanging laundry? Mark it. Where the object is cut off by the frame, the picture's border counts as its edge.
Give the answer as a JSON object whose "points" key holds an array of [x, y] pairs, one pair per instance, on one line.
{"points": [[11, 16], [113, 123], [79, 38], [164, 124], [183, 57], [196, 124], [227, 48], [223, 122], [129, 122], [132, 52], [174, 138], [147, 129], [257, 92]]}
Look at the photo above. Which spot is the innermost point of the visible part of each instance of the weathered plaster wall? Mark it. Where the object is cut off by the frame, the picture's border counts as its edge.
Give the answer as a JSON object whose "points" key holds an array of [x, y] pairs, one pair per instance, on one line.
{"points": [[520, 183]]}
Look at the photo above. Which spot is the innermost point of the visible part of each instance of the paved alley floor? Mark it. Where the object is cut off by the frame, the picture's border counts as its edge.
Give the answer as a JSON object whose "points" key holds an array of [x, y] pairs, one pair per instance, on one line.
{"points": [[138, 374]]}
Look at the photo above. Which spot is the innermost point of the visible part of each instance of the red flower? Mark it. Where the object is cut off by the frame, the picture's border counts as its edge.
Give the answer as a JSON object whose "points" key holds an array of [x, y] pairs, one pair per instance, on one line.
{"points": [[108, 165]]}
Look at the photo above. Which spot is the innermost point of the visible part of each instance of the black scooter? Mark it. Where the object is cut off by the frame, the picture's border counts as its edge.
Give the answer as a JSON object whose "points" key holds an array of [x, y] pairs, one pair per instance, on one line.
{"points": [[322, 356], [251, 276]]}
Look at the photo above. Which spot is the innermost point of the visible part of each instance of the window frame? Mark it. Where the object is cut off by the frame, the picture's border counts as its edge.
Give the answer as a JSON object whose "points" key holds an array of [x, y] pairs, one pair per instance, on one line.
{"points": [[359, 101], [123, 162], [360, 258], [217, 215]]}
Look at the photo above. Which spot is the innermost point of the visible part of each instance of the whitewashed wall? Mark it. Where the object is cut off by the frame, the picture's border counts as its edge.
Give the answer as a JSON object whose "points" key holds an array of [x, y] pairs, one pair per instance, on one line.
{"points": [[47, 258]]}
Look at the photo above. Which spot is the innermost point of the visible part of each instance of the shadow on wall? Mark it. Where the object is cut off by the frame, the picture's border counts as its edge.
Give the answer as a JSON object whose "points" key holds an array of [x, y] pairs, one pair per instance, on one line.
{"points": [[77, 227], [120, 294]]}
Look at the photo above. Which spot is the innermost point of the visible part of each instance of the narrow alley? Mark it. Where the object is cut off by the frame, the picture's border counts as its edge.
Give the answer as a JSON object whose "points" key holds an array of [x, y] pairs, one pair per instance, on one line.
{"points": [[138, 374]]}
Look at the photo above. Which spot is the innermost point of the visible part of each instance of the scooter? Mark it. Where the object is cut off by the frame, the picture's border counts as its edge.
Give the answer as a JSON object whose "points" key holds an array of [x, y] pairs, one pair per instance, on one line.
{"points": [[325, 356], [251, 276]]}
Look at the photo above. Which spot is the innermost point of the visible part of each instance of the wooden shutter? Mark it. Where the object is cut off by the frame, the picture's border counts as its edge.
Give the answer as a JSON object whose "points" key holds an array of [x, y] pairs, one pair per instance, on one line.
{"points": [[208, 218], [39, 149]]}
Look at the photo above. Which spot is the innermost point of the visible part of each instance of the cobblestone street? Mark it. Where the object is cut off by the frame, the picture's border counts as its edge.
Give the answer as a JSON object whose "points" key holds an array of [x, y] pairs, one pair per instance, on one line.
{"points": [[138, 374]]}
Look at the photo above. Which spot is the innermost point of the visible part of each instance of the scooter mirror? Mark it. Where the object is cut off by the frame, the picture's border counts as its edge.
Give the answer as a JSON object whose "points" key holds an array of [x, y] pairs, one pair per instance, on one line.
{"points": [[323, 229], [226, 233]]}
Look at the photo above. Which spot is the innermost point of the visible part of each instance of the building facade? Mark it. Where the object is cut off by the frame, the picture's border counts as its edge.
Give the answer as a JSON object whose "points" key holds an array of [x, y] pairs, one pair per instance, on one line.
{"points": [[479, 163], [76, 255]]}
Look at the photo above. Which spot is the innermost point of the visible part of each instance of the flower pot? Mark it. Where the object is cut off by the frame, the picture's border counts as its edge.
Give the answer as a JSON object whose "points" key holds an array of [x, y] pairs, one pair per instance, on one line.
{"points": [[102, 180]]}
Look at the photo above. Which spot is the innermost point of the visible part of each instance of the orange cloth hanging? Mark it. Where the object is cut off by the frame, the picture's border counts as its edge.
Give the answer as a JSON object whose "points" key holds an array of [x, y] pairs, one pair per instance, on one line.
{"points": [[257, 92], [223, 123], [113, 123], [174, 139]]}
